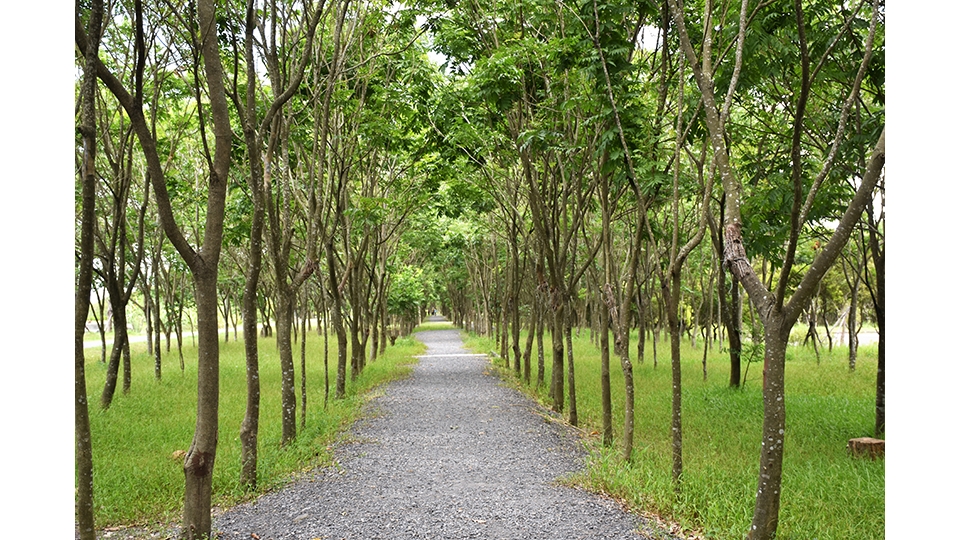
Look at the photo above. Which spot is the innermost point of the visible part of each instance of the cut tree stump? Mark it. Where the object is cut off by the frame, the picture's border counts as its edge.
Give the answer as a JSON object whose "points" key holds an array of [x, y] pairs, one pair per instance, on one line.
{"points": [[866, 447]]}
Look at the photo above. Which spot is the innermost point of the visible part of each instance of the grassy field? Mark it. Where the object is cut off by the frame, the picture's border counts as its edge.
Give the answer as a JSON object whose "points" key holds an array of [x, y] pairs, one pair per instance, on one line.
{"points": [[137, 478], [826, 493]]}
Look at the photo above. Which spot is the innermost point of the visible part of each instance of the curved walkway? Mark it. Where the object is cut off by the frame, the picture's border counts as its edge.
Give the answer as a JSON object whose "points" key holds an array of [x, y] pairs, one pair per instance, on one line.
{"points": [[451, 454]]}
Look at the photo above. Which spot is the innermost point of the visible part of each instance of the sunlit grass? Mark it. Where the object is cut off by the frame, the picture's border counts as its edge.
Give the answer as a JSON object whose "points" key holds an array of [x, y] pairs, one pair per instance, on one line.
{"points": [[826, 493], [137, 477]]}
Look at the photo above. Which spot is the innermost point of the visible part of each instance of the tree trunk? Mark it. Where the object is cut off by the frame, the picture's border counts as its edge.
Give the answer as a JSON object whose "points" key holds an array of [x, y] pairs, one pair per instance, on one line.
{"points": [[541, 368], [113, 366], [288, 397], [641, 326], [250, 426], [148, 313], [356, 350], [734, 332], [878, 254], [83, 448], [336, 315], [605, 401], [528, 346], [303, 365], [556, 335], [571, 378], [766, 513], [198, 464], [157, 365], [671, 295], [852, 320]]}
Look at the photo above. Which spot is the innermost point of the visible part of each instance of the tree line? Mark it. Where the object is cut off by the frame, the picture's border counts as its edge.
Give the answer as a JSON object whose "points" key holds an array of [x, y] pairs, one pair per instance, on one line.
{"points": [[699, 168]]}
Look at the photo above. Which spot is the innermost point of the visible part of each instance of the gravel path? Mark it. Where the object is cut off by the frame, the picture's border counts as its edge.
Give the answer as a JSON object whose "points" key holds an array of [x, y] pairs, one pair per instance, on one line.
{"points": [[450, 454]]}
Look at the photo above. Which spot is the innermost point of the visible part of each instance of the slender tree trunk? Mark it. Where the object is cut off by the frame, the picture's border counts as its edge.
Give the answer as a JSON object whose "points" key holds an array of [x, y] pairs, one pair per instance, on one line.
{"points": [[179, 330], [127, 368], [541, 367], [148, 314], [383, 320], [528, 346], [556, 335], [734, 331], [250, 426], [83, 448], [606, 405], [504, 327], [515, 315], [157, 364], [303, 365], [336, 314], [852, 322], [198, 464], [113, 366], [356, 350], [288, 397], [878, 254], [671, 295], [571, 378], [326, 349], [641, 326]]}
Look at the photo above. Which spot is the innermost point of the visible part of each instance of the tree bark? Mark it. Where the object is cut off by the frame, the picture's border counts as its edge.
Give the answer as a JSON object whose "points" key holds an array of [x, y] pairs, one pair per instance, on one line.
{"points": [[113, 365], [336, 314], [574, 417], [157, 354], [556, 337], [672, 295], [82, 440], [877, 253], [303, 364], [528, 345], [250, 426], [288, 397], [852, 320], [606, 405]]}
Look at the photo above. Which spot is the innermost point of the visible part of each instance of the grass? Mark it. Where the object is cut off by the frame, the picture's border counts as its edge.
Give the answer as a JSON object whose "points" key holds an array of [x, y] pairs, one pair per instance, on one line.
{"points": [[138, 480], [826, 493]]}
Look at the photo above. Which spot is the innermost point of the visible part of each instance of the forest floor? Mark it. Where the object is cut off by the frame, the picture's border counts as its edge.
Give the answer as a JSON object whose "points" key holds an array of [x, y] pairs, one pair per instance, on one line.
{"points": [[450, 453]]}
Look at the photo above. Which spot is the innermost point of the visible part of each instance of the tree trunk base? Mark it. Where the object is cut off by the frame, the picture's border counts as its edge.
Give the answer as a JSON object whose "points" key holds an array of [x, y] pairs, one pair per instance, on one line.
{"points": [[866, 447]]}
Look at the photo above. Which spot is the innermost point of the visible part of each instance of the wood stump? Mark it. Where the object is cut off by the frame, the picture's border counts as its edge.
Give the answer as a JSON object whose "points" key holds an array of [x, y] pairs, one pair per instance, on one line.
{"points": [[866, 447]]}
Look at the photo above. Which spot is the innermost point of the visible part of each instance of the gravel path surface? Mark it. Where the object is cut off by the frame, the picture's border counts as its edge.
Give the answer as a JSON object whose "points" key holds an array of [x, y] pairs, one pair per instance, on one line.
{"points": [[449, 454]]}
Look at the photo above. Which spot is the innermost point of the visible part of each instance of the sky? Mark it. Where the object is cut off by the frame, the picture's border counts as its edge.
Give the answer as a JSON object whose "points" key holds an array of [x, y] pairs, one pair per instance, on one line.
{"points": [[36, 143]]}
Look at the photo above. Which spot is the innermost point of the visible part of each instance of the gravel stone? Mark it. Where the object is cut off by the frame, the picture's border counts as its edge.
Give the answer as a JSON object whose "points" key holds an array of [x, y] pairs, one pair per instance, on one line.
{"points": [[450, 453]]}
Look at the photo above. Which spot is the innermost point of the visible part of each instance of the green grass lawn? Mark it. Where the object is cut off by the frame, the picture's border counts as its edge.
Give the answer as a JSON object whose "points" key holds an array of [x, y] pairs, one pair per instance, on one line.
{"points": [[826, 493], [137, 479]]}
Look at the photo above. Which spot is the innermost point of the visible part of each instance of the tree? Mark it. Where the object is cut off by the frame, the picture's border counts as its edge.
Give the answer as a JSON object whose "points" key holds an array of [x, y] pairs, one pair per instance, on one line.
{"points": [[202, 262], [88, 131], [118, 268], [776, 313]]}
